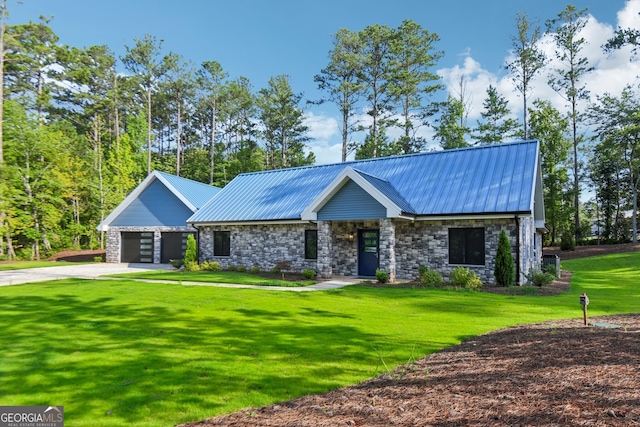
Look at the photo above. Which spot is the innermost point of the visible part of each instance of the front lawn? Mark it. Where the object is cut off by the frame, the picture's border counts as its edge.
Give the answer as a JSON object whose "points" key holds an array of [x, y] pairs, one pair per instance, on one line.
{"points": [[233, 277], [21, 265], [125, 353]]}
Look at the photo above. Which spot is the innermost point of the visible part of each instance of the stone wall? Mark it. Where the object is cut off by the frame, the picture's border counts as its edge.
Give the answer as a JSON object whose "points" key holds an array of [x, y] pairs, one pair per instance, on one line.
{"points": [[261, 246], [416, 243], [114, 241], [426, 243]]}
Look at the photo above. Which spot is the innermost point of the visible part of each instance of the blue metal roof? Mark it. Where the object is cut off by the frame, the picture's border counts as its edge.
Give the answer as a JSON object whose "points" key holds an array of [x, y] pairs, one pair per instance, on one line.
{"points": [[197, 193], [478, 180]]}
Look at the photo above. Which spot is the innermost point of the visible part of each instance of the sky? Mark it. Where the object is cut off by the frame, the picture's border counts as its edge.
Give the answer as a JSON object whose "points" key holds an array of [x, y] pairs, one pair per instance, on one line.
{"points": [[260, 39]]}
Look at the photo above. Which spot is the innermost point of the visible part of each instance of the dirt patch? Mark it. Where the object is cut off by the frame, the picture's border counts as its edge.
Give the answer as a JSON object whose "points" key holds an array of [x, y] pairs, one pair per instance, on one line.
{"points": [[558, 373]]}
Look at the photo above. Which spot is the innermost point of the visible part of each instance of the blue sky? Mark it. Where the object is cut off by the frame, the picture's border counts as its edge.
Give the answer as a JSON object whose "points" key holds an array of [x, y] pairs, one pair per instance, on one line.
{"points": [[260, 39]]}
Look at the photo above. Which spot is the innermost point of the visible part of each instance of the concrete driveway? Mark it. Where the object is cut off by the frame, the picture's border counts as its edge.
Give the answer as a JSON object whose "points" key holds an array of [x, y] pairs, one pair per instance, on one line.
{"points": [[94, 271], [81, 271]]}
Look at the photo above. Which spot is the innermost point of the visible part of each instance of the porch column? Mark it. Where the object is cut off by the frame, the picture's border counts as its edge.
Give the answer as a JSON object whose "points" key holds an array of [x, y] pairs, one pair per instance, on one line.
{"points": [[157, 245], [388, 247], [324, 250]]}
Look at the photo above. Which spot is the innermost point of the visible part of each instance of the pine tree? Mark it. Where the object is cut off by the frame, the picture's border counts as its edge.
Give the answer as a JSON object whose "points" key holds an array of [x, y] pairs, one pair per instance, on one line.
{"points": [[504, 270]]}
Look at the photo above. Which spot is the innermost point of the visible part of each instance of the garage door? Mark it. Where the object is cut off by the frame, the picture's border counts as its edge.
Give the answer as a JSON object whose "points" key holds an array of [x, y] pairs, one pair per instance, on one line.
{"points": [[137, 247], [173, 246]]}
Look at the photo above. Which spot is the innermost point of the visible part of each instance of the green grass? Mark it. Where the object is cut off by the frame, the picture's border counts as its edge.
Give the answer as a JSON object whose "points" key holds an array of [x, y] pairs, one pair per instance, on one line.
{"points": [[212, 277], [21, 265], [124, 353]]}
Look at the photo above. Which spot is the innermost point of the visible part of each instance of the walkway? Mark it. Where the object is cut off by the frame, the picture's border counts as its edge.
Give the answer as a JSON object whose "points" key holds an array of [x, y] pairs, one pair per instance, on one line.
{"points": [[98, 270]]}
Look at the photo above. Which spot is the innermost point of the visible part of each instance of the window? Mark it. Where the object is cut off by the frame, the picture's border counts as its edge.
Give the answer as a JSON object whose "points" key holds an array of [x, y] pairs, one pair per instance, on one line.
{"points": [[311, 244], [221, 243], [466, 246]]}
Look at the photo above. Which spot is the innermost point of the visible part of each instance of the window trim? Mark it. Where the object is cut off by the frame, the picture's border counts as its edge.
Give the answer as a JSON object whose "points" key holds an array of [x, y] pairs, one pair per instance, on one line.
{"points": [[226, 243], [306, 242], [467, 240]]}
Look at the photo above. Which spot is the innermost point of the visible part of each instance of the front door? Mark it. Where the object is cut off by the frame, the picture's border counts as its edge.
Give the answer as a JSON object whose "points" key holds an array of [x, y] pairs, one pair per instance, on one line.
{"points": [[368, 248]]}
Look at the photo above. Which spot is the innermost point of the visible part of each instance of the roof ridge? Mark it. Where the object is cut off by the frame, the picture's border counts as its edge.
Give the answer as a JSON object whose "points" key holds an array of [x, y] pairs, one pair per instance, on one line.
{"points": [[377, 159], [166, 174]]}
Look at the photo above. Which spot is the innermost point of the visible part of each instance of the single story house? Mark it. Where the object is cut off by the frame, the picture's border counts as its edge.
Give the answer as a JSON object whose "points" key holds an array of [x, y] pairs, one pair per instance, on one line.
{"points": [[150, 225], [440, 209]]}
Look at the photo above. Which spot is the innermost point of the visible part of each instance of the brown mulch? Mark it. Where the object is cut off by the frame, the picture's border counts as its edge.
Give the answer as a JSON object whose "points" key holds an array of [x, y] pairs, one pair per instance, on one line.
{"points": [[85, 255], [559, 373], [592, 250]]}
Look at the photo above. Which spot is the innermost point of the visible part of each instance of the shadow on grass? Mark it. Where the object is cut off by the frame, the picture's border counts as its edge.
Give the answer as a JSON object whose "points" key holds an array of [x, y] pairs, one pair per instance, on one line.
{"points": [[131, 361]]}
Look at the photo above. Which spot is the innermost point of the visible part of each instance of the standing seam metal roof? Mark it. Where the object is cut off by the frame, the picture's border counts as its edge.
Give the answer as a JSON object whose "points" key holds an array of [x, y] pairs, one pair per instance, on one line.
{"points": [[478, 180]]}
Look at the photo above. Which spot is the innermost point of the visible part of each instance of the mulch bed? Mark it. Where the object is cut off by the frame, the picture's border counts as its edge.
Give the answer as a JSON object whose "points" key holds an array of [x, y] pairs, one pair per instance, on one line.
{"points": [[559, 373], [86, 255]]}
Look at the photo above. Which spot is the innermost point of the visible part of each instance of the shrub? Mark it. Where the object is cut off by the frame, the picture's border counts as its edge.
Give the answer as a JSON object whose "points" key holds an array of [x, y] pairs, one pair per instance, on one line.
{"points": [[461, 276], [540, 278], [191, 252], [232, 268], [97, 259], [382, 276], [422, 269], [567, 242], [176, 263], [431, 278], [504, 270], [191, 266], [283, 265], [242, 269], [210, 266], [473, 282], [308, 274], [551, 269], [254, 270]]}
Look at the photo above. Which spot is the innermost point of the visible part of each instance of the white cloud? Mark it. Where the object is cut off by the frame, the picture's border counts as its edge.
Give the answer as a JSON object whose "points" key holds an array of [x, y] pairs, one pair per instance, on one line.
{"points": [[612, 72]]}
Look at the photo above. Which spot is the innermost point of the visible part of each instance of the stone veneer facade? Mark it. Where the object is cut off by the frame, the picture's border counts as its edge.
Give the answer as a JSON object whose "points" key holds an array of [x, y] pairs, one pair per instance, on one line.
{"points": [[403, 246], [114, 239]]}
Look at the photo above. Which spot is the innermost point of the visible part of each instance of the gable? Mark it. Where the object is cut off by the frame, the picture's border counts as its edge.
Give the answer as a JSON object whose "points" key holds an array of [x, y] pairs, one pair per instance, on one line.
{"points": [[352, 202], [156, 205]]}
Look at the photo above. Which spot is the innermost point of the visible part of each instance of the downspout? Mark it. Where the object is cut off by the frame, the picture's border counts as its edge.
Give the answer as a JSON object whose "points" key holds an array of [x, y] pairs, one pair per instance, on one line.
{"points": [[517, 221]]}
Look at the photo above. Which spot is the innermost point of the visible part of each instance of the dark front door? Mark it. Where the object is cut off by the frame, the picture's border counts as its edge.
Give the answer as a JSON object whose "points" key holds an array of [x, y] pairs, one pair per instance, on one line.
{"points": [[368, 247], [137, 247]]}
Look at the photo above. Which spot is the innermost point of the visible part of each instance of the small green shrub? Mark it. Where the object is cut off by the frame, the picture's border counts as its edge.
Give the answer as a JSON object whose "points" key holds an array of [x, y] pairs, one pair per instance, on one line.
{"points": [[308, 274], [422, 269], [232, 267], [540, 278], [382, 276], [191, 252], [474, 282], [176, 263], [275, 270], [211, 266], [461, 276], [97, 259], [431, 278], [504, 270], [254, 270], [191, 266], [551, 269], [242, 269]]}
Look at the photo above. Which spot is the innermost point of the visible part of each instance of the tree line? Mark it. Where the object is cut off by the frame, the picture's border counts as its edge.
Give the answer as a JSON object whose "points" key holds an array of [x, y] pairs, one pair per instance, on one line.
{"points": [[78, 135]]}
